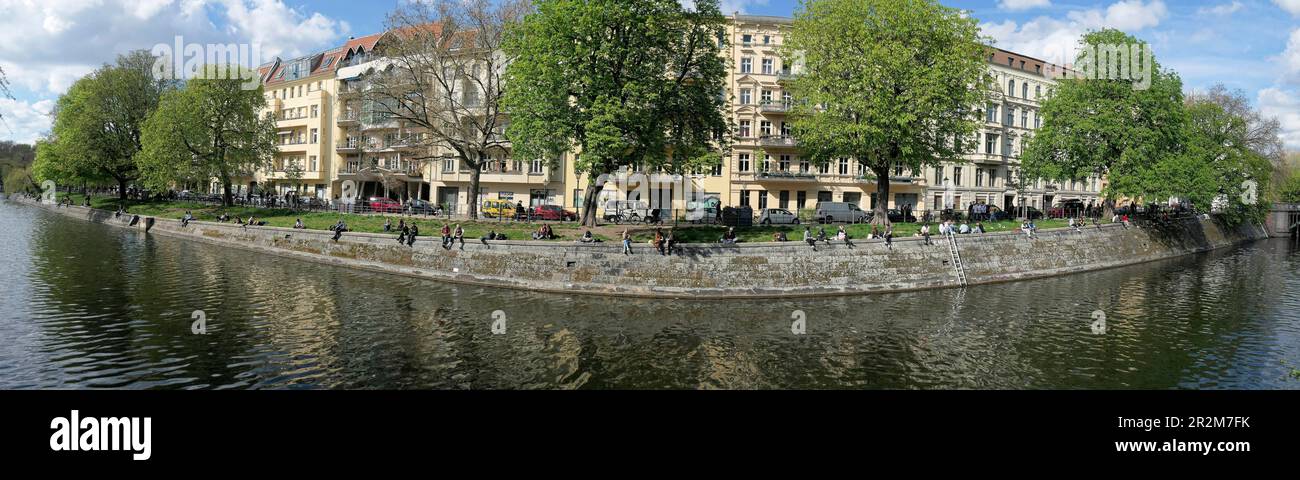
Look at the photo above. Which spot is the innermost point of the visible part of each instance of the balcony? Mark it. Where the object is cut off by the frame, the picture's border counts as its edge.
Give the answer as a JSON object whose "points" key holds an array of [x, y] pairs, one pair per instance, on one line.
{"points": [[786, 76], [771, 107], [780, 141], [349, 118]]}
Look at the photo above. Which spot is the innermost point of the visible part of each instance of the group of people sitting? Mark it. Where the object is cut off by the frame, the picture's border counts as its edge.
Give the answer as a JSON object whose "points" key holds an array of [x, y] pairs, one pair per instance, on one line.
{"points": [[544, 233], [948, 227], [406, 233]]}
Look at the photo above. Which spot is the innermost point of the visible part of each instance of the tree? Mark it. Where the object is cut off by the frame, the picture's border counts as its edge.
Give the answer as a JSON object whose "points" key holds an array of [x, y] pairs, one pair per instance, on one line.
{"points": [[210, 129], [893, 83], [1217, 164], [97, 124], [620, 83], [1109, 127], [442, 74]]}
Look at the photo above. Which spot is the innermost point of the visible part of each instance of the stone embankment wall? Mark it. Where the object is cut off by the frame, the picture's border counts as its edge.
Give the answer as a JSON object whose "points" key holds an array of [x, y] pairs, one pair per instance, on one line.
{"points": [[754, 270]]}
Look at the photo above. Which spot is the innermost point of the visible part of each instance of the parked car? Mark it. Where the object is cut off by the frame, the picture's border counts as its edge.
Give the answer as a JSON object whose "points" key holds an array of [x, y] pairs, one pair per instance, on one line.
{"points": [[997, 214], [896, 216], [498, 209], [1068, 208], [626, 211], [777, 216], [384, 205], [421, 207], [1029, 212], [555, 213], [831, 212]]}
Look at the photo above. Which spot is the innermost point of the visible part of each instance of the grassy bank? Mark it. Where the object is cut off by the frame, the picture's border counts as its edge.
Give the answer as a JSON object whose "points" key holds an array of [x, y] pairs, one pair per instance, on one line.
{"points": [[568, 231]]}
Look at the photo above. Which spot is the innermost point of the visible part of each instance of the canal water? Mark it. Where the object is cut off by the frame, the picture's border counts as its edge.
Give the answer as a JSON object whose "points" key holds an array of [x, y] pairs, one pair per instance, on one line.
{"points": [[92, 306]]}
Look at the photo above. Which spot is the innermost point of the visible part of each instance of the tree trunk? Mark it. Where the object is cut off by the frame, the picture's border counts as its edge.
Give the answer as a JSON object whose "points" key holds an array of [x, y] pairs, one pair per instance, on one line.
{"points": [[1108, 208], [226, 197], [881, 210], [475, 173], [121, 189], [589, 200]]}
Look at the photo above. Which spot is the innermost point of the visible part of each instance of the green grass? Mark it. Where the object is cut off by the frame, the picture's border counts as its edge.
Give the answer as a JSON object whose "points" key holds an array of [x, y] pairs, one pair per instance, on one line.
{"points": [[323, 220], [711, 234], [568, 231]]}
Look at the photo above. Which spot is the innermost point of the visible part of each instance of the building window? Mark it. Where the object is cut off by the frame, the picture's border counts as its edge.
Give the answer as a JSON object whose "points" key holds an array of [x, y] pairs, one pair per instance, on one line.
{"points": [[762, 199], [747, 39], [767, 39], [746, 96], [1038, 91], [766, 97], [449, 165], [992, 113], [1038, 120], [767, 66], [744, 198], [746, 65], [536, 166], [1011, 117], [823, 168], [785, 129], [956, 176], [979, 177], [742, 162], [1024, 119], [844, 166], [784, 164], [1024, 90], [765, 128], [1011, 88], [315, 136], [744, 129], [315, 111], [313, 165], [804, 167], [938, 176], [990, 143]]}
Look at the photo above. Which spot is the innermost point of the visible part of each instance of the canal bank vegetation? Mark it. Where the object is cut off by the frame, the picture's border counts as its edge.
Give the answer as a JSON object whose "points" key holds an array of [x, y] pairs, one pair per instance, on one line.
{"points": [[1210, 150]]}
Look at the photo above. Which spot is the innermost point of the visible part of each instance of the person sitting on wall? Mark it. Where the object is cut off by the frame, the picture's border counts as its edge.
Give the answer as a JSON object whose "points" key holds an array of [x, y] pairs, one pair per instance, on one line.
{"points": [[587, 237], [388, 225], [670, 242], [297, 225], [411, 233], [979, 227], [809, 238], [658, 241], [459, 236], [964, 229], [446, 237], [402, 233], [780, 236]]}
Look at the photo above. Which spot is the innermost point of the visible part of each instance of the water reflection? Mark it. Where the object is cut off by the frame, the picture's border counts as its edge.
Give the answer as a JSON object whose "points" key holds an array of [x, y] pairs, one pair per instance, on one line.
{"points": [[92, 306]]}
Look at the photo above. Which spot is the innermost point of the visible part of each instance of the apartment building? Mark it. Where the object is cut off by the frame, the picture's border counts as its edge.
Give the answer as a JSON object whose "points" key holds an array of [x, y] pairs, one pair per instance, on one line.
{"points": [[326, 128], [765, 170]]}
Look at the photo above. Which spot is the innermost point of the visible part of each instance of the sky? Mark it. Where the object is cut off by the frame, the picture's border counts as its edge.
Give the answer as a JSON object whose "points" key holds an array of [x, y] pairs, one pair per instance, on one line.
{"points": [[46, 45]]}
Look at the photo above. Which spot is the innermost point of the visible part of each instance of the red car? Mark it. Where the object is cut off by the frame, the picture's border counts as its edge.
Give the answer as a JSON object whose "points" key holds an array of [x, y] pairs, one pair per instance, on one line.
{"points": [[553, 212], [384, 205]]}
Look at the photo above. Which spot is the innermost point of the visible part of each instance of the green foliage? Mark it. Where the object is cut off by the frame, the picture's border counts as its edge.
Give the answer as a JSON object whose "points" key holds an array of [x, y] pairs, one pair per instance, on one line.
{"points": [[620, 82], [1094, 127], [889, 82], [1288, 189], [210, 129]]}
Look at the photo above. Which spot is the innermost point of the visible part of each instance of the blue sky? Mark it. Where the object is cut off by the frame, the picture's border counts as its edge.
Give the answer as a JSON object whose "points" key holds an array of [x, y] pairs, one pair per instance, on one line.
{"points": [[1252, 45]]}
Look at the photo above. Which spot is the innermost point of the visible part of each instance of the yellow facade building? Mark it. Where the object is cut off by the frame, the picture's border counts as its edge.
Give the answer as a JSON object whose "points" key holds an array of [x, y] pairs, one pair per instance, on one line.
{"points": [[322, 127]]}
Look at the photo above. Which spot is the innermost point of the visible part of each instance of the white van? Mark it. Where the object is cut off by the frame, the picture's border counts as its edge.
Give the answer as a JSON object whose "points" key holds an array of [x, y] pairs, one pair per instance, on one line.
{"points": [[832, 212]]}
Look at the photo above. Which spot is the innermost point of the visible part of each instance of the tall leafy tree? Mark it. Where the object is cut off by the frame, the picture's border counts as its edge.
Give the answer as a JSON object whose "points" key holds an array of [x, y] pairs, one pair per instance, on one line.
{"points": [[443, 75], [892, 83], [211, 129], [98, 123], [620, 82], [1117, 128]]}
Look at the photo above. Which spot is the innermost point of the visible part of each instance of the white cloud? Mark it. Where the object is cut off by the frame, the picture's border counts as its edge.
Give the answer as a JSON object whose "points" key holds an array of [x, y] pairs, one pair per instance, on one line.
{"points": [[24, 122], [1020, 5], [1056, 39], [1222, 10], [1285, 105], [1290, 58], [45, 44], [1292, 6]]}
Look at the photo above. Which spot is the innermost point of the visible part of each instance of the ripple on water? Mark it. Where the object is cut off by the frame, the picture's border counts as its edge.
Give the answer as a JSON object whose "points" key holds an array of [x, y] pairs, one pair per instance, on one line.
{"points": [[97, 307]]}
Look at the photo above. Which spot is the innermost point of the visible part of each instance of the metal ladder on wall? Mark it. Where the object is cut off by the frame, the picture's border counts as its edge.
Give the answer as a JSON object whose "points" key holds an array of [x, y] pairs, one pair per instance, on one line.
{"points": [[956, 259]]}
